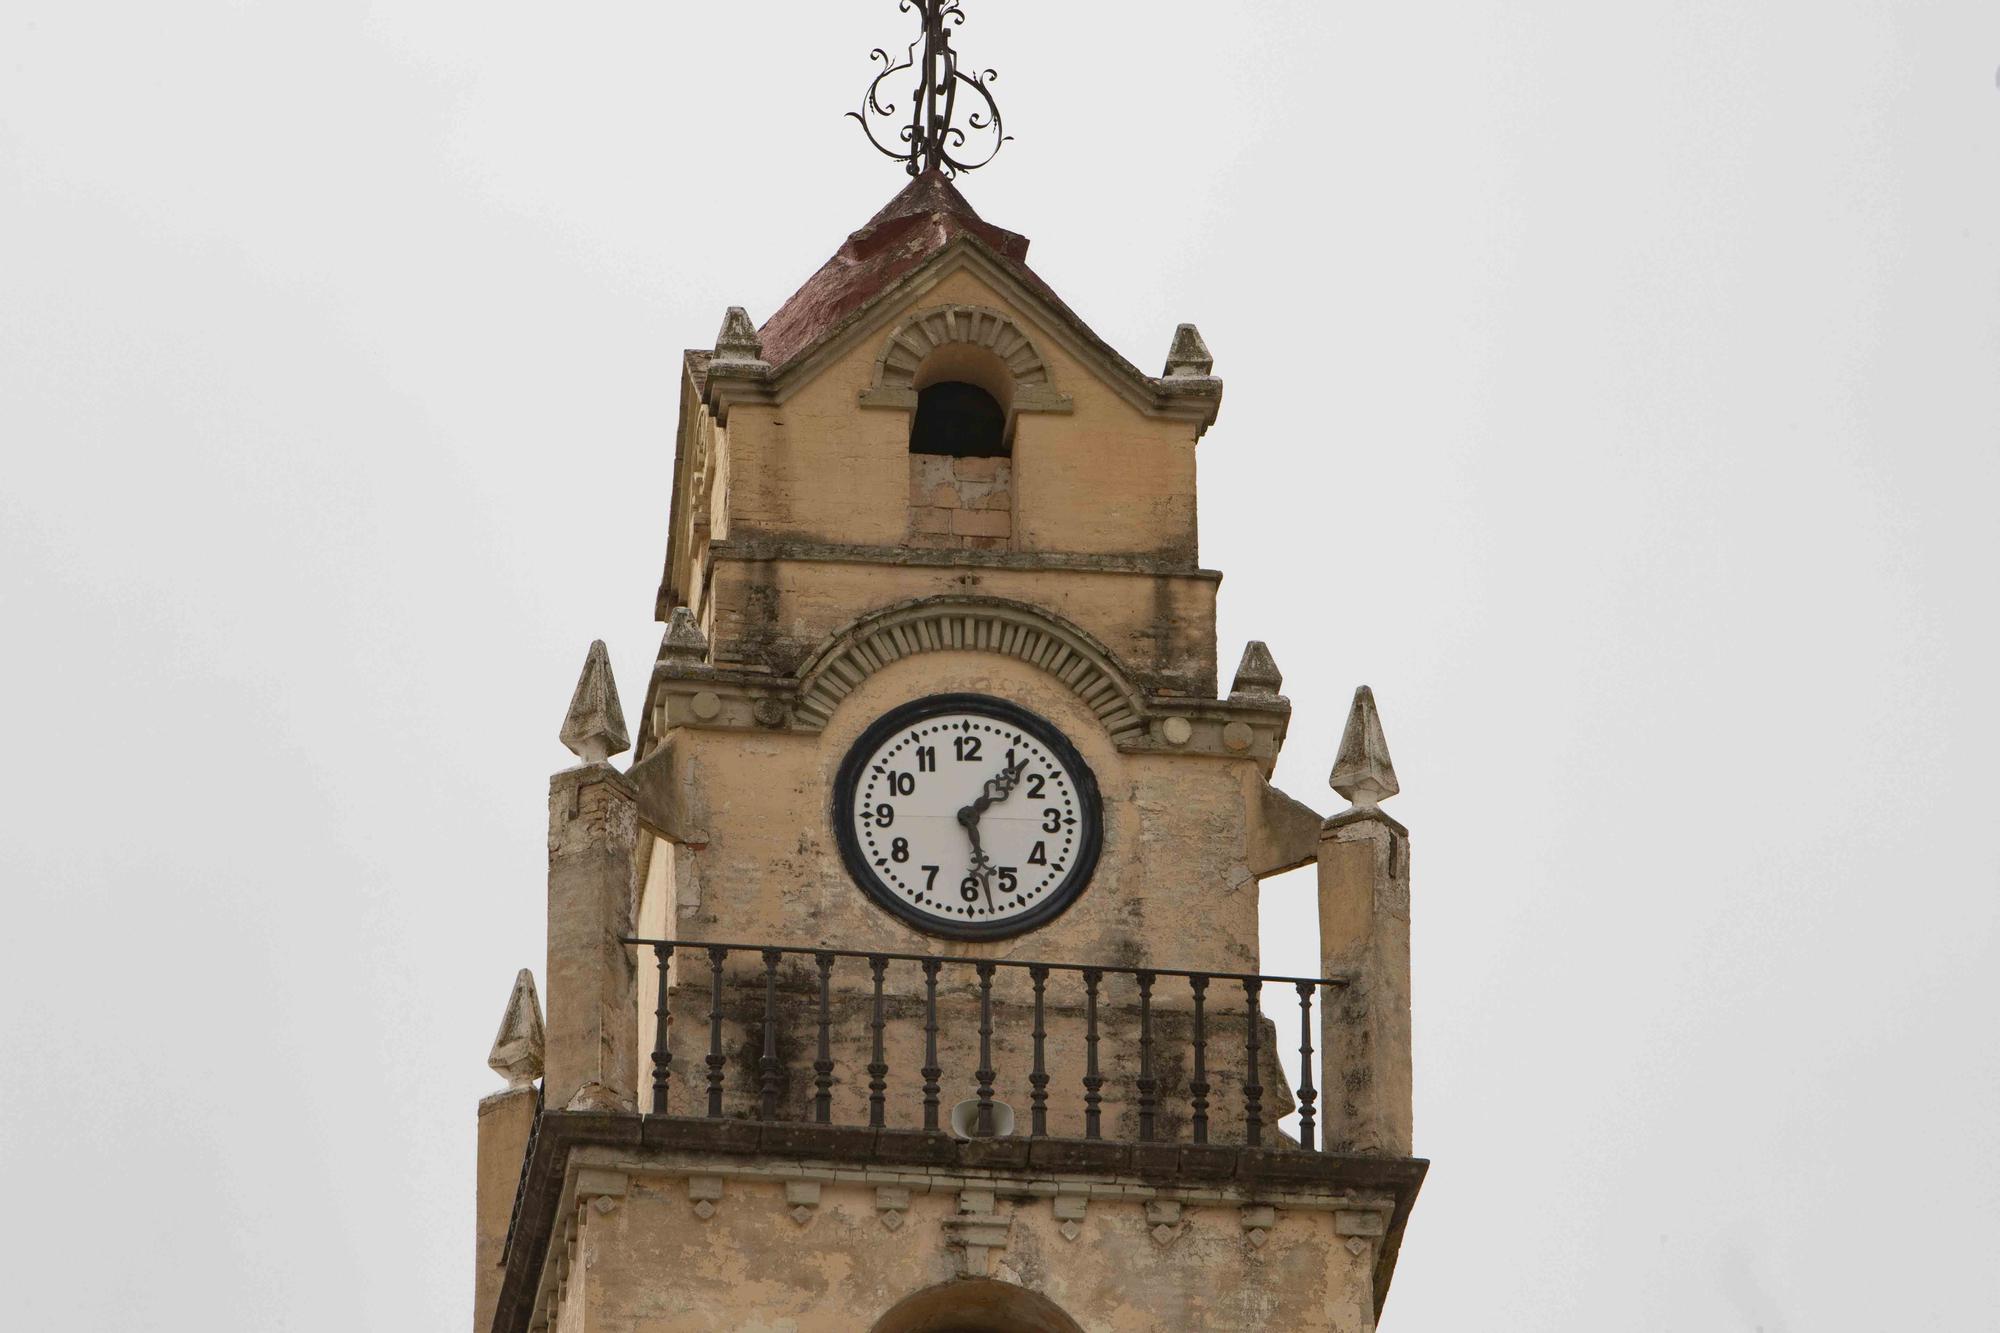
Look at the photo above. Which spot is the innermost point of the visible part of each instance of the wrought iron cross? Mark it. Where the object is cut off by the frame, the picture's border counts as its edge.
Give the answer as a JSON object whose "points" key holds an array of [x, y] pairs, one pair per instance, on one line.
{"points": [[930, 139]]}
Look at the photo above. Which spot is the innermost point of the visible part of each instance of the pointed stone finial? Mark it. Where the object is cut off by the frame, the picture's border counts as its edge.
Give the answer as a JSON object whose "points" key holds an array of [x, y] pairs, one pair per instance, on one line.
{"points": [[595, 727], [683, 642], [1362, 771], [1257, 675], [1188, 357], [738, 341], [517, 1051]]}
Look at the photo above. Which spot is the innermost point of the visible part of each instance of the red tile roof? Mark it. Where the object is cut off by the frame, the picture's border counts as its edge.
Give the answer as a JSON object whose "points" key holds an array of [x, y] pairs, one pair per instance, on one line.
{"points": [[925, 217]]}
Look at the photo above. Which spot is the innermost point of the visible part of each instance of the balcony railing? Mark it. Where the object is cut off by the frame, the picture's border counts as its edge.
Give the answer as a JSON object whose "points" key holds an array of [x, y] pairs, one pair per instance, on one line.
{"points": [[1206, 1029]]}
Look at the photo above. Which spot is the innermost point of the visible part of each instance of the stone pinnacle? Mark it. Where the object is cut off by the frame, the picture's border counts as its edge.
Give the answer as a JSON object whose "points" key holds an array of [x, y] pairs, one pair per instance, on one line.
{"points": [[1258, 673], [1189, 355], [683, 641], [738, 340], [1362, 771], [517, 1051], [595, 727]]}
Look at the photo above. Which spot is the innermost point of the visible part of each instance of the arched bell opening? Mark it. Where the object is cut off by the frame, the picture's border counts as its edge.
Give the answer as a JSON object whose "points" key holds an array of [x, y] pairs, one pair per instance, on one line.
{"points": [[959, 420], [961, 447], [976, 1305]]}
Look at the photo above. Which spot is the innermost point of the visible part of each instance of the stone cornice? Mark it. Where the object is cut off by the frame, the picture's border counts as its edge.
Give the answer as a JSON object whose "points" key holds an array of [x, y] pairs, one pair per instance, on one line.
{"points": [[759, 550], [578, 1154]]}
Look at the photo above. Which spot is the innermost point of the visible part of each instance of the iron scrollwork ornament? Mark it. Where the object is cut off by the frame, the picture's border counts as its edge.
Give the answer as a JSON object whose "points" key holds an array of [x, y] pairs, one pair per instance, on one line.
{"points": [[930, 138]]}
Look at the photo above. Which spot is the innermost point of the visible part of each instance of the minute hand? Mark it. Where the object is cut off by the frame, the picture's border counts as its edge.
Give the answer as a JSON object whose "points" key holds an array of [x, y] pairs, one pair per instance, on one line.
{"points": [[995, 790]]}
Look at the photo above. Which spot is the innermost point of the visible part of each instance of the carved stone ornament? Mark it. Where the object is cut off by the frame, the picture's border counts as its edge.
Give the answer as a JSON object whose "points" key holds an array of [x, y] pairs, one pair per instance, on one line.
{"points": [[1257, 677], [1189, 355], [517, 1051], [1362, 771], [595, 727], [737, 343], [683, 643], [928, 331], [980, 624]]}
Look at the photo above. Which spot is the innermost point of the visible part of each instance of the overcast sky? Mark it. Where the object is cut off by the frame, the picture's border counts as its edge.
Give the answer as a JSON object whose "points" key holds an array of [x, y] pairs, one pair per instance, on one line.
{"points": [[1614, 387]]}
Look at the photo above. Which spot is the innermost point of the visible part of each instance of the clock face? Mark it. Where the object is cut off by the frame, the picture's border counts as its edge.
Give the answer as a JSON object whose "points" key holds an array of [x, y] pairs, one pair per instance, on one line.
{"points": [[967, 816]]}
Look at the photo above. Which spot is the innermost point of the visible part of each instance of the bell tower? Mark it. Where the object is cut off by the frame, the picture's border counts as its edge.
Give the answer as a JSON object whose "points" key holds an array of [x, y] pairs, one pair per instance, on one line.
{"points": [[908, 977]]}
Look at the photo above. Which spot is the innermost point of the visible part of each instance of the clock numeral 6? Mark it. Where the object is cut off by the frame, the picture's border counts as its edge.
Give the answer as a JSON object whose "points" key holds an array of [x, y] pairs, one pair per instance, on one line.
{"points": [[968, 889]]}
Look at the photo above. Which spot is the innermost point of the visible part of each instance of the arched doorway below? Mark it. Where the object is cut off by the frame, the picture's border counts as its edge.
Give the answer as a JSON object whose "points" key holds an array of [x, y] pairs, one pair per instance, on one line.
{"points": [[976, 1305]]}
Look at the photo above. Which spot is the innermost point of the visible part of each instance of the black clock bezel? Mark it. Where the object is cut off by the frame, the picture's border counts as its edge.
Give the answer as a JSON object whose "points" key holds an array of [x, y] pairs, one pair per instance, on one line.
{"points": [[1091, 809]]}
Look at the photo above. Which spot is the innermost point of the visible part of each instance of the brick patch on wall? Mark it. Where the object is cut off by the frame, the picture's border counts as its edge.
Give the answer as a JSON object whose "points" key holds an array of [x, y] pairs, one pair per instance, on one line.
{"points": [[961, 504]]}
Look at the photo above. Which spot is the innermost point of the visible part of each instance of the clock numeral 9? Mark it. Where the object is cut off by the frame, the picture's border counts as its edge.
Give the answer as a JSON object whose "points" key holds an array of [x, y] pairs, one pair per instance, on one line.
{"points": [[885, 814]]}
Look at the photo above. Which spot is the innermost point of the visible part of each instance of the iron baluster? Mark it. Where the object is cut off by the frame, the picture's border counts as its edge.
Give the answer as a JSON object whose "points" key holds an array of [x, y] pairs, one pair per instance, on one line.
{"points": [[931, 1071], [715, 1058], [663, 1056], [1198, 1085], [769, 1071], [1038, 1099], [878, 1065], [1253, 1089], [1093, 1099], [1148, 1085], [983, 1126], [823, 1066], [1307, 1094]]}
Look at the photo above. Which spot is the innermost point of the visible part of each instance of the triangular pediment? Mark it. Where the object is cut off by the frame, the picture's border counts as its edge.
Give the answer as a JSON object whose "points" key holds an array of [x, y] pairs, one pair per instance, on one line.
{"points": [[924, 239]]}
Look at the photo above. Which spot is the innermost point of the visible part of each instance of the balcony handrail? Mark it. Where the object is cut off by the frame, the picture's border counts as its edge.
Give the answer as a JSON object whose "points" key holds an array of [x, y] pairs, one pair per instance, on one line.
{"points": [[771, 1076], [1119, 969]]}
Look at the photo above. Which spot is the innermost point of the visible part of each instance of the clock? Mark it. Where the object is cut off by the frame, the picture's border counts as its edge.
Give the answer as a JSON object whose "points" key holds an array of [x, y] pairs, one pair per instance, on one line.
{"points": [[967, 816]]}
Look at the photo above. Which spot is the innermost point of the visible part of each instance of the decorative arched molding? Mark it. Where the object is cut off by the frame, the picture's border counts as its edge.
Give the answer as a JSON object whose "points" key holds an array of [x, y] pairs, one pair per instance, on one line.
{"points": [[927, 332], [976, 1305], [975, 624]]}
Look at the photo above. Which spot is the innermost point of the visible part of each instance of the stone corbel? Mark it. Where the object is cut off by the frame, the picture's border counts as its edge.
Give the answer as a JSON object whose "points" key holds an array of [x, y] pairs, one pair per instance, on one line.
{"points": [[1258, 1219], [704, 1192], [892, 1201], [1363, 1228], [976, 1232], [1163, 1220], [1070, 1209], [600, 1189]]}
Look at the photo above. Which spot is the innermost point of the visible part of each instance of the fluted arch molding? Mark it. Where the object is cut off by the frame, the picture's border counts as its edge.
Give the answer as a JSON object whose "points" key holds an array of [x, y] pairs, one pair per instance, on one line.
{"points": [[981, 624], [929, 331]]}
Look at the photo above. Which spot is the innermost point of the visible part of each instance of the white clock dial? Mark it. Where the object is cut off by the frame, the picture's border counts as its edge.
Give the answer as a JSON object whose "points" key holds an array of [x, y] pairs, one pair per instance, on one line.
{"points": [[968, 816]]}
